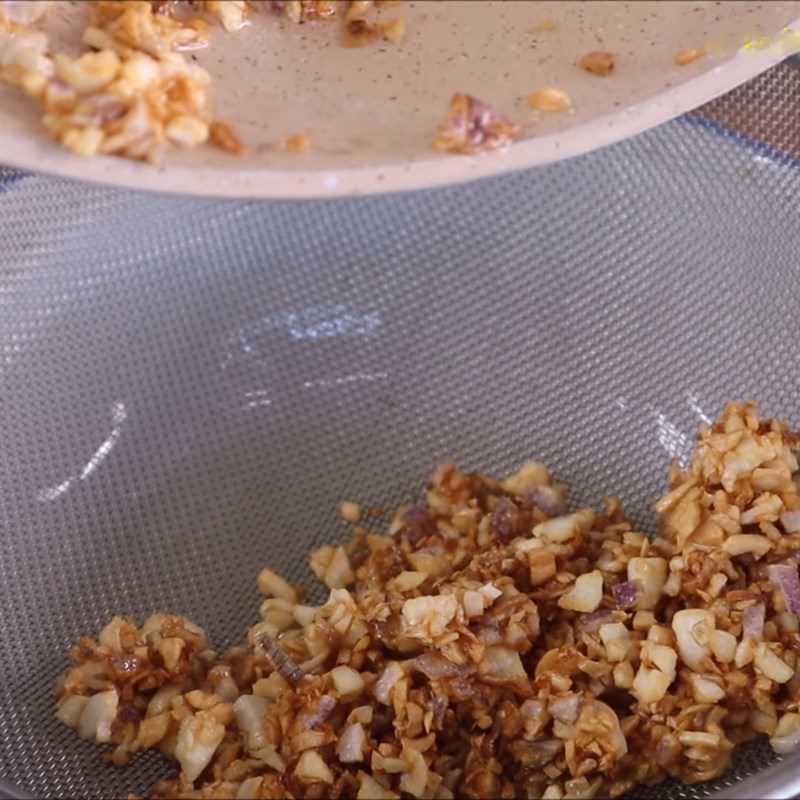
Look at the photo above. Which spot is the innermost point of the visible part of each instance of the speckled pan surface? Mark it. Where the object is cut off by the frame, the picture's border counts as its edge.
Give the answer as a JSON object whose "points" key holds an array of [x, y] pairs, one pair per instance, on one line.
{"points": [[372, 112]]}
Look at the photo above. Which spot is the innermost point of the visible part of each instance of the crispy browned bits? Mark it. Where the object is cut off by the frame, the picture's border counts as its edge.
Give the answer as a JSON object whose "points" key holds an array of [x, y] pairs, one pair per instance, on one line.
{"points": [[691, 55], [223, 136], [358, 31], [133, 92], [598, 62], [299, 143], [489, 645], [130, 94], [549, 99], [473, 126]]}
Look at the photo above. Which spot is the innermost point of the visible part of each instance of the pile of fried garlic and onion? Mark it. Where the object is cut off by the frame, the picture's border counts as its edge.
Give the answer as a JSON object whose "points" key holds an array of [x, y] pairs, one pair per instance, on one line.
{"points": [[488, 645]]}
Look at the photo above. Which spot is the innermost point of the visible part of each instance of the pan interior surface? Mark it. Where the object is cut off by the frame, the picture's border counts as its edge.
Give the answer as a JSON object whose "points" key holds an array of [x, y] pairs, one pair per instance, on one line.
{"points": [[371, 113]]}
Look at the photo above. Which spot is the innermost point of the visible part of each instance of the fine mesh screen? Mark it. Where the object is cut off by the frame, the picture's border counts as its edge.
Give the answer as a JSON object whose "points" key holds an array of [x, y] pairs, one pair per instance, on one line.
{"points": [[190, 387]]}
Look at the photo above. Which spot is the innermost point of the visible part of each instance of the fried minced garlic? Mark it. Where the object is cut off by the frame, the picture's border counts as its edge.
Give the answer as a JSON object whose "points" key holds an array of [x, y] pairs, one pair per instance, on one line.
{"points": [[299, 143], [489, 645], [691, 55], [598, 62], [133, 91], [549, 99], [128, 95]]}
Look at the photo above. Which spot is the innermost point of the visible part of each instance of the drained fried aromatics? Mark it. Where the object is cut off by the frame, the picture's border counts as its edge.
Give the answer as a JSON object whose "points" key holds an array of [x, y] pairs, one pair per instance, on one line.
{"points": [[133, 92], [473, 126], [299, 143], [691, 55], [599, 62], [489, 645], [130, 94], [549, 99]]}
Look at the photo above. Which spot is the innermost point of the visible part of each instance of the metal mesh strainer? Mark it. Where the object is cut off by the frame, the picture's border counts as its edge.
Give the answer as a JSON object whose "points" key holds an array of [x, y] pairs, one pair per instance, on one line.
{"points": [[189, 387]]}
